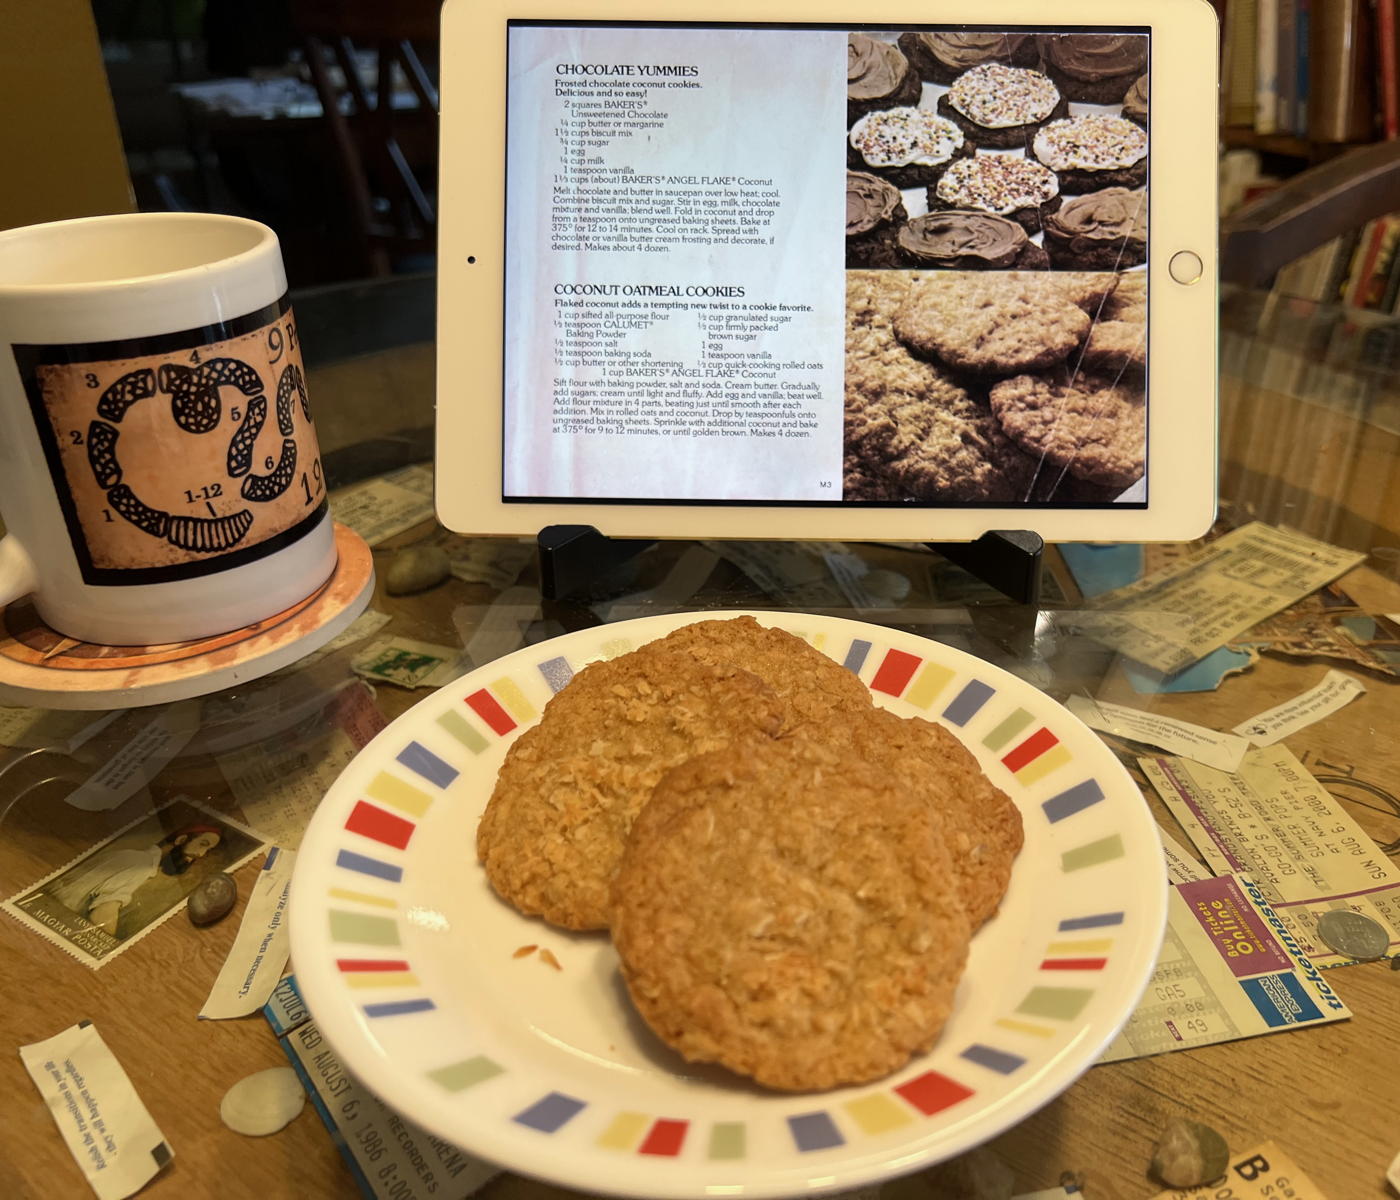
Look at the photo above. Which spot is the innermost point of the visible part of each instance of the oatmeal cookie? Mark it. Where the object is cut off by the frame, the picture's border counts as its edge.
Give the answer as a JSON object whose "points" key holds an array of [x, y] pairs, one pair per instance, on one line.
{"points": [[990, 324], [810, 685], [1090, 425], [908, 423], [1115, 346], [783, 910], [982, 827], [570, 786]]}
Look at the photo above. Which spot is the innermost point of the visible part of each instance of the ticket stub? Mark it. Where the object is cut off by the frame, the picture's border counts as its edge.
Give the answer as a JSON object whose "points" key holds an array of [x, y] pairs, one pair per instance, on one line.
{"points": [[1221, 750], [378, 509], [1335, 691], [1263, 1173], [1178, 615], [389, 1156], [90, 1097], [1228, 969], [1272, 821]]}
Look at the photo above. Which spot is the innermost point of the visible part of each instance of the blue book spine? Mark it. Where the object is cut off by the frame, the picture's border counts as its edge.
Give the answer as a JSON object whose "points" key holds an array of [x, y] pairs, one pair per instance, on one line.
{"points": [[1300, 117]]}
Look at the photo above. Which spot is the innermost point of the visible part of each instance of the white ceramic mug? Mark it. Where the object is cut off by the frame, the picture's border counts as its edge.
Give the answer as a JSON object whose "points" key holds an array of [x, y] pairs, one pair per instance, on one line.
{"points": [[160, 479]]}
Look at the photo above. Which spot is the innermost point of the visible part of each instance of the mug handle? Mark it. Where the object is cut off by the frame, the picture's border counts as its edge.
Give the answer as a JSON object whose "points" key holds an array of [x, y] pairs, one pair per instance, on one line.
{"points": [[17, 575]]}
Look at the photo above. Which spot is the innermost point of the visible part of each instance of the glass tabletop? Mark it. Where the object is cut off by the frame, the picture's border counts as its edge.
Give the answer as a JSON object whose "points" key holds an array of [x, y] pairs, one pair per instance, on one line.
{"points": [[1292, 602]]}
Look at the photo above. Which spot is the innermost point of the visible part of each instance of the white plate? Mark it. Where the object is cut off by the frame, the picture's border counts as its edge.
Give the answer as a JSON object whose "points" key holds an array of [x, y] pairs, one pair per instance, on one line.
{"points": [[407, 959]]}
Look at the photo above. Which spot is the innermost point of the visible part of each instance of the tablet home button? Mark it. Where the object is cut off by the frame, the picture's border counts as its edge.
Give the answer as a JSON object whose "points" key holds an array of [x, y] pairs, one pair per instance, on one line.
{"points": [[1186, 266]]}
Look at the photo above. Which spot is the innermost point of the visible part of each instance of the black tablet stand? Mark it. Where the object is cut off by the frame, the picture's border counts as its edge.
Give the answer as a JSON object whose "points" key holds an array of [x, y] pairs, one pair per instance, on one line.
{"points": [[575, 559]]}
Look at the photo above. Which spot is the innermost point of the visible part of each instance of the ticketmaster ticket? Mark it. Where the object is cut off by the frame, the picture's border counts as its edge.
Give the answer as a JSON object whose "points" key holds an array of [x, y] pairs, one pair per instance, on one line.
{"points": [[1271, 820]]}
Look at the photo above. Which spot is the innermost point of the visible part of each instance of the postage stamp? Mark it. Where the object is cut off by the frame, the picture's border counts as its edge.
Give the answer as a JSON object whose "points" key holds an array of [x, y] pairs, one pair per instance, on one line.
{"points": [[114, 893]]}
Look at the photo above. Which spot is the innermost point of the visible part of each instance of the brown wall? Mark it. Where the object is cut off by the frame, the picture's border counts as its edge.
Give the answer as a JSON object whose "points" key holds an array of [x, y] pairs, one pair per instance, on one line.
{"points": [[60, 150]]}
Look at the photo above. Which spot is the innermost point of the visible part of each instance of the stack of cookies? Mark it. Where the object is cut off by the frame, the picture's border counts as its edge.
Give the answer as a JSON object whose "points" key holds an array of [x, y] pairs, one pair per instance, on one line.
{"points": [[791, 876]]}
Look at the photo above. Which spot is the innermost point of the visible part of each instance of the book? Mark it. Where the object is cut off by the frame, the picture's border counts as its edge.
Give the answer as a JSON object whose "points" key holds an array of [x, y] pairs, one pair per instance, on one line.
{"points": [[1266, 59], [1363, 263], [1242, 47], [1287, 69], [1339, 71], [1388, 70], [1300, 107]]}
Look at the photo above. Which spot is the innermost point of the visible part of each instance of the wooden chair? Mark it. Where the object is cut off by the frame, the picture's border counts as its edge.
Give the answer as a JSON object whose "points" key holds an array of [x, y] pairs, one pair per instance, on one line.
{"points": [[386, 151]]}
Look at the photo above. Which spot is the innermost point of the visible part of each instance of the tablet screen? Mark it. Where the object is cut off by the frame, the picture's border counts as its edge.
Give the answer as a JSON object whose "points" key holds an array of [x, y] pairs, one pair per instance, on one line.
{"points": [[816, 266]]}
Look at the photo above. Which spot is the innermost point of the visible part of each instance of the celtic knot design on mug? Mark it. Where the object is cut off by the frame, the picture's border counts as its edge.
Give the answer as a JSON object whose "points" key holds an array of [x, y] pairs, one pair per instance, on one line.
{"points": [[165, 461]]}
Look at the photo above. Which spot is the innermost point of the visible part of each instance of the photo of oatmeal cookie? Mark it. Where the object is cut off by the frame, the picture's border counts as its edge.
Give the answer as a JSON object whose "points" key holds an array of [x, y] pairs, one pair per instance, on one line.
{"points": [[1002, 106], [1091, 425], [908, 423], [785, 910], [1135, 102], [877, 76], [569, 788], [1115, 346], [990, 324], [1103, 231], [962, 240]]}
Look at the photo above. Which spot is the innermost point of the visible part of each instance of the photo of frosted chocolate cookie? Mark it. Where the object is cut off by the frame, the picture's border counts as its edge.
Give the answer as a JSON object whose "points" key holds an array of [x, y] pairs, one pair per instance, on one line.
{"points": [[1005, 185], [1093, 151], [962, 240], [942, 57], [874, 214], [911, 147], [1103, 231], [877, 76], [1094, 68], [1002, 106], [990, 324], [1135, 103], [1093, 426]]}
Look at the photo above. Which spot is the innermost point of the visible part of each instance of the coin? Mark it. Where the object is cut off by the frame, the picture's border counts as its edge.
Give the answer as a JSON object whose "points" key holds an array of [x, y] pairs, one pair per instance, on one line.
{"points": [[1353, 934]]}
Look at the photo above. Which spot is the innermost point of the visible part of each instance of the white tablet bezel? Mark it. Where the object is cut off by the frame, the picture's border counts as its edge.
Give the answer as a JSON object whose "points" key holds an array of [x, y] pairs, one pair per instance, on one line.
{"points": [[1181, 410]]}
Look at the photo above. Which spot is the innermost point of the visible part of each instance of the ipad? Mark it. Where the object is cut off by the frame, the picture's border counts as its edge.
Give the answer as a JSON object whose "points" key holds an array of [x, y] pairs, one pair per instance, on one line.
{"points": [[824, 269]]}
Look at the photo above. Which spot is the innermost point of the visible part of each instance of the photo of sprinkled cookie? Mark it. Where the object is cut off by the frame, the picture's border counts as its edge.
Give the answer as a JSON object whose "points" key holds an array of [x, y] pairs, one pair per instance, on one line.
{"points": [[811, 686], [1093, 426], [962, 240], [877, 76], [1000, 106], [1135, 102], [1093, 151], [1094, 68], [911, 147], [570, 787], [874, 213], [1103, 231], [1005, 185], [989, 324], [982, 827], [942, 57], [784, 910]]}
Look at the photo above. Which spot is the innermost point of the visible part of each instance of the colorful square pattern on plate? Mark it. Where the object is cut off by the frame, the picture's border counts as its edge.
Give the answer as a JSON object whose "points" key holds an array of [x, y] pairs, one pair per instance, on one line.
{"points": [[1082, 816]]}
